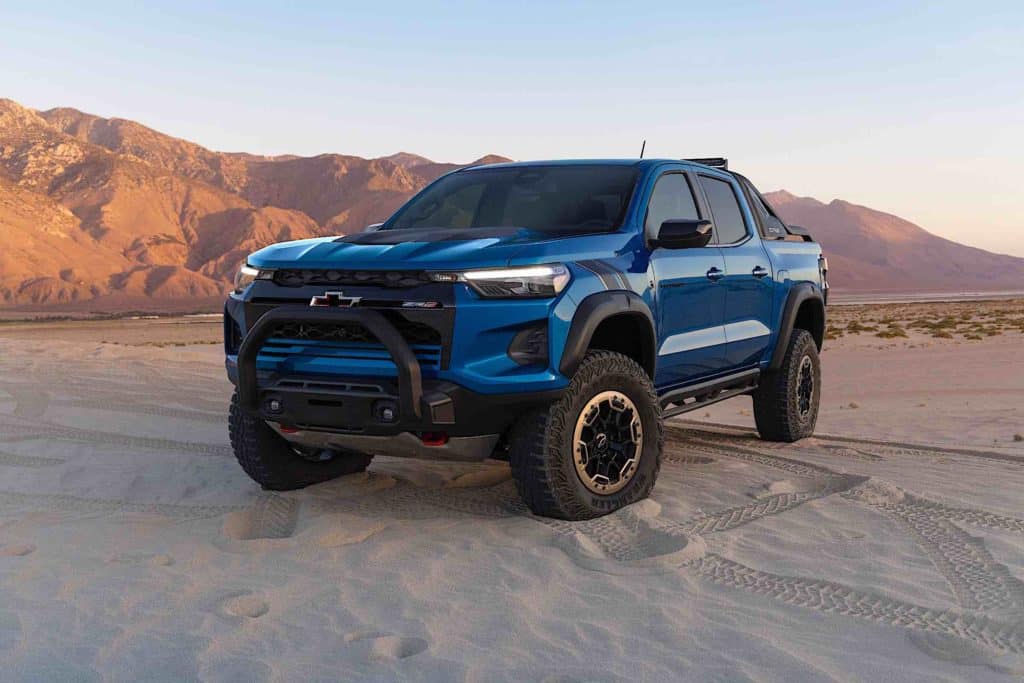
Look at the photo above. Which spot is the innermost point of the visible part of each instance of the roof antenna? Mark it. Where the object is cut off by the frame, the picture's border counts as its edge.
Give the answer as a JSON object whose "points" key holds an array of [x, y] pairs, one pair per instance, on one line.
{"points": [[642, 148]]}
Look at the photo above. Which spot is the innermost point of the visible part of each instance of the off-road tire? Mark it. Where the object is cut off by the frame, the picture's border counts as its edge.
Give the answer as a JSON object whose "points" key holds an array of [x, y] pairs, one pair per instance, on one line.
{"points": [[777, 398], [273, 463], [541, 448]]}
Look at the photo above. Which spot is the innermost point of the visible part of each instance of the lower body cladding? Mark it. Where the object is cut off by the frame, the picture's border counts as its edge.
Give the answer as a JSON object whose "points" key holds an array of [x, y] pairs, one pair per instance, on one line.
{"points": [[402, 445]]}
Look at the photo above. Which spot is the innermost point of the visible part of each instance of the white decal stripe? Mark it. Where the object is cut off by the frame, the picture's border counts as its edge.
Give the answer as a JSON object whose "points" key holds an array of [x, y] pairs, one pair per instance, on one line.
{"points": [[746, 329]]}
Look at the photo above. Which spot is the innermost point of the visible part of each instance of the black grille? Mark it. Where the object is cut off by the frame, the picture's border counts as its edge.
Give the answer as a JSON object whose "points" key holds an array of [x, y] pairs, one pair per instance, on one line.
{"points": [[323, 332], [381, 278], [412, 332]]}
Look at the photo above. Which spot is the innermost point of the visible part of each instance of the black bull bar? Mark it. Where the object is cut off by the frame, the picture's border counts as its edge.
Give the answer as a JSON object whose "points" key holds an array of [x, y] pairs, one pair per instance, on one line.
{"points": [[410, 381]]}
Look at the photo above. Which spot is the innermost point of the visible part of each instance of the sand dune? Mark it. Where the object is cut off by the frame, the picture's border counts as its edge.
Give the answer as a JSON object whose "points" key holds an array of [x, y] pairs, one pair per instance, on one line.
{"points": [[132, 546]]}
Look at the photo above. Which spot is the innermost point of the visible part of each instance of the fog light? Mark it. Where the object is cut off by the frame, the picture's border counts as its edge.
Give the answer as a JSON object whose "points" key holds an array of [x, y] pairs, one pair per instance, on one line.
{"points": [[530, 346], [385, 411]]}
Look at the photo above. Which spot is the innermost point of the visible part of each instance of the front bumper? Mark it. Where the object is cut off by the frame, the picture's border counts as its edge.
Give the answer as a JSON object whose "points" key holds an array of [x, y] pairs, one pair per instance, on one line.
{"points": [[404, 445], [367, 406]]}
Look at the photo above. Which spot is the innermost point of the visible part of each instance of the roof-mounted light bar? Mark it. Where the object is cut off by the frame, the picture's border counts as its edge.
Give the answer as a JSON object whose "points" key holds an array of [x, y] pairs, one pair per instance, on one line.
{"points": [[715, 162]]}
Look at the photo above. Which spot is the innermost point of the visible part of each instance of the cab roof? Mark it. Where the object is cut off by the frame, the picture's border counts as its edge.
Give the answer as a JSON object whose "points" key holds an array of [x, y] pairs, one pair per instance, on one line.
{"points": [[639, 163]]}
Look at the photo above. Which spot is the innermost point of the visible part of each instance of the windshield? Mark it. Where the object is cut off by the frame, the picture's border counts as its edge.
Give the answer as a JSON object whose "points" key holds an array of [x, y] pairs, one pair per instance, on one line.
{"points": [[562, 199]]}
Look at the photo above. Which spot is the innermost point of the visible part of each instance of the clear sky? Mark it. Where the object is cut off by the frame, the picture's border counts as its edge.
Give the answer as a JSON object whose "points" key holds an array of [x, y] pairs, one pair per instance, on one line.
{"points": [[912, 108]]}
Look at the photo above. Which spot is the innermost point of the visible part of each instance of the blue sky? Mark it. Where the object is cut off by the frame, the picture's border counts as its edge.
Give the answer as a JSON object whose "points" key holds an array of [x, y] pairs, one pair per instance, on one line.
{"points": [[913, 108]]}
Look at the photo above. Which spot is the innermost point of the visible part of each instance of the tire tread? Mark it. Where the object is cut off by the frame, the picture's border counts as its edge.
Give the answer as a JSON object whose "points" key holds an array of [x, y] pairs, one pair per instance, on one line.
{"points": [[541, 474]]}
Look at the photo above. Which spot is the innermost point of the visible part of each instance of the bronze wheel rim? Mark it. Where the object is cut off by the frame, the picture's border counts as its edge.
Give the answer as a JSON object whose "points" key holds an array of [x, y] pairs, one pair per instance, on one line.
{"points": [[805, 387], [607, 442]]}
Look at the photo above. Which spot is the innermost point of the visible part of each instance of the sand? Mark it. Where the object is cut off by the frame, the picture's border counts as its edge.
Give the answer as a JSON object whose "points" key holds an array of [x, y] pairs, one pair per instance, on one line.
{"points": [[133, 547]]}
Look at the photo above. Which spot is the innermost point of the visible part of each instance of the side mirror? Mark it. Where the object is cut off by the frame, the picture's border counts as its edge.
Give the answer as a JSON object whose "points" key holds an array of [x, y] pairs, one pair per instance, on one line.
{"points": [[683, 233]]}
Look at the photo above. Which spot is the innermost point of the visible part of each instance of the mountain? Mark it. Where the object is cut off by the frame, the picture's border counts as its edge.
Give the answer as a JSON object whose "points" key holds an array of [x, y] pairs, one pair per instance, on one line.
{"points": [[872, 251], [107, 214]]}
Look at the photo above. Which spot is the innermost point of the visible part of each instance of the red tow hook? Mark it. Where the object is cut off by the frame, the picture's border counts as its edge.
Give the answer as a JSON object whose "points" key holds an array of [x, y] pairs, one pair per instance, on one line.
{"points": [[434, 438]]}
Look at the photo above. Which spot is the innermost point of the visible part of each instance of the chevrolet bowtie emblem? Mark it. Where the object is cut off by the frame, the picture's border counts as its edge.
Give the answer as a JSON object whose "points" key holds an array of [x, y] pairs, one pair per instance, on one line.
{"points": [[335, 299]]}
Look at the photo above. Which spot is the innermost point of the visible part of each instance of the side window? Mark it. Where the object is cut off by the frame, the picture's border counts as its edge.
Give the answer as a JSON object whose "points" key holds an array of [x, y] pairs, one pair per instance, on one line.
{"points": [[772, 225], [725, 208], [672, 198]]}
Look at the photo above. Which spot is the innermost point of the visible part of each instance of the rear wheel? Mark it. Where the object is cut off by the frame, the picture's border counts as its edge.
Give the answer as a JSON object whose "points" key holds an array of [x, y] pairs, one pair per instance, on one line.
{"points": [[786, 400], [596, 449], [275, 464]]}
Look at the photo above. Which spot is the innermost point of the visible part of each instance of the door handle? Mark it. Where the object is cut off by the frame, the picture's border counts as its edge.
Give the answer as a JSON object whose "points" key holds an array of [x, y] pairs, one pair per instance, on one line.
{"points": [[759, 272], [715, 274]]}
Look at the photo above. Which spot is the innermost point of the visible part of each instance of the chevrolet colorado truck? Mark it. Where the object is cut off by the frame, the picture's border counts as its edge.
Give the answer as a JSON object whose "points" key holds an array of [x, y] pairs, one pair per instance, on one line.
{"points": [[549, 313]]}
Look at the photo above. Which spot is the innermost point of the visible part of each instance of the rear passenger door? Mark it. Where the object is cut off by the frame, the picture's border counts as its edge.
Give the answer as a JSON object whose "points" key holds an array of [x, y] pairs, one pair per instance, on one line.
{"points": [[748, 282], [689, 298]]}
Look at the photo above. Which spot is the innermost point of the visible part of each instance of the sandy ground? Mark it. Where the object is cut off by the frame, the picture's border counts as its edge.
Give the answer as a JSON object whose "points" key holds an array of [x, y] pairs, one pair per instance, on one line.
{"points": [[133, 547]]}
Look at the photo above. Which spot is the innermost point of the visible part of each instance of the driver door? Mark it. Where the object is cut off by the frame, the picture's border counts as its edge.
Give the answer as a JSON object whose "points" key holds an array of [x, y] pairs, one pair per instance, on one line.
{"points": [[689, 299]]}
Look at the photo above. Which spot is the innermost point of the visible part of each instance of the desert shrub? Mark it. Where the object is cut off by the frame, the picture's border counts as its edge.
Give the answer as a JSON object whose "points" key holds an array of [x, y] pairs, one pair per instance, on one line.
{"points": [[892, 332]]}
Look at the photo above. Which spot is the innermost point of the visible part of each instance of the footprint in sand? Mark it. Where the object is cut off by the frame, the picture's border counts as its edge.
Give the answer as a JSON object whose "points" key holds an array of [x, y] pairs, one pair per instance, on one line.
{"points": [[17, 550], [272, 516], [777, 488], [248, 606], [632, 540], [385, 646], [397, 647], [342, 530]]}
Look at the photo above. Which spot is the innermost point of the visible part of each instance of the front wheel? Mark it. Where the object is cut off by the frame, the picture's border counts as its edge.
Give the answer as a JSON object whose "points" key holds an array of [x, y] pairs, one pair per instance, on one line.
{"points": [[275, 464], [786, 400], [596, 449]]}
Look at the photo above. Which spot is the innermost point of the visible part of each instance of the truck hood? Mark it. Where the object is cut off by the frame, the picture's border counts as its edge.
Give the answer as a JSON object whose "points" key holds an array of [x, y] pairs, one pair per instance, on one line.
{"points": [[447, 249]]}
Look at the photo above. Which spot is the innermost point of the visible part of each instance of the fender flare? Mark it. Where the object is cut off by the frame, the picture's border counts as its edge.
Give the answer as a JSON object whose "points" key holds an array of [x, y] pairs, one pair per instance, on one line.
{"points": [[594, 310], [798, 294]]}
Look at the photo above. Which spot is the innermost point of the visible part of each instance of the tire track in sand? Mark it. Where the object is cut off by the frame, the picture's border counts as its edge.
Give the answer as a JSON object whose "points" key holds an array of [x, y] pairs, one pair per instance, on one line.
{"points": [[145, 409], [67, 503], [12, 460], [834, 598], [27, 432], [978, 581], [976, 578]]}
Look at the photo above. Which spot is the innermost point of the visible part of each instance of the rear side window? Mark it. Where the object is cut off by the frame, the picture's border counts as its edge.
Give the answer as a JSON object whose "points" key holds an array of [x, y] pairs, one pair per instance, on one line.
{"points": [[770, 223], [672, 198], [725, 209]]}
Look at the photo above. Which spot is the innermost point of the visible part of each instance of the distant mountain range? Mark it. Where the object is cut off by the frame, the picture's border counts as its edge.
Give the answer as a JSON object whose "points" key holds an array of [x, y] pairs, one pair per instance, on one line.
{"points": [[107, 213]]}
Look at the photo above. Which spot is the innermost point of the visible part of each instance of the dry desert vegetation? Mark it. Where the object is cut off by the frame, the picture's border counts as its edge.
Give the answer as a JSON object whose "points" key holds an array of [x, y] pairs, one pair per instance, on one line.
{"points": [[890, 547]]}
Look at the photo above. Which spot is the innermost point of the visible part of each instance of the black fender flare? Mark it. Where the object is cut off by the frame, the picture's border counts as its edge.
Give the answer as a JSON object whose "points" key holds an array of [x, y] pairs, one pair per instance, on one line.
{"points": [[594, 310], [798, 294]]}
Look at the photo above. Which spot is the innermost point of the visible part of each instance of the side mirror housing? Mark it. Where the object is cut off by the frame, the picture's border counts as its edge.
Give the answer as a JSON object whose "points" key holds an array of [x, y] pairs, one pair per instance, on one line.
{"points": [[683, 233]]}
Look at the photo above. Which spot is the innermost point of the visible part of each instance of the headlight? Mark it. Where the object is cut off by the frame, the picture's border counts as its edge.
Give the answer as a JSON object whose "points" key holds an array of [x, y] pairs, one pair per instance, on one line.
{"points": [[247, 274], [525, 282]]}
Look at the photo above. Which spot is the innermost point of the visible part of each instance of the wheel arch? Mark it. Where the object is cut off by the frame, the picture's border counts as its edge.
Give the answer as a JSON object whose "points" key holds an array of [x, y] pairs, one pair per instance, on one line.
{"points": [[615, 321], [805, 310]]}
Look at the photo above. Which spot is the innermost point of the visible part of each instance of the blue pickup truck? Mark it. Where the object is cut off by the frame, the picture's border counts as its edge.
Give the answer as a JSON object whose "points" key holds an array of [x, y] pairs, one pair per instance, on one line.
{"points": [[549, 313]]}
